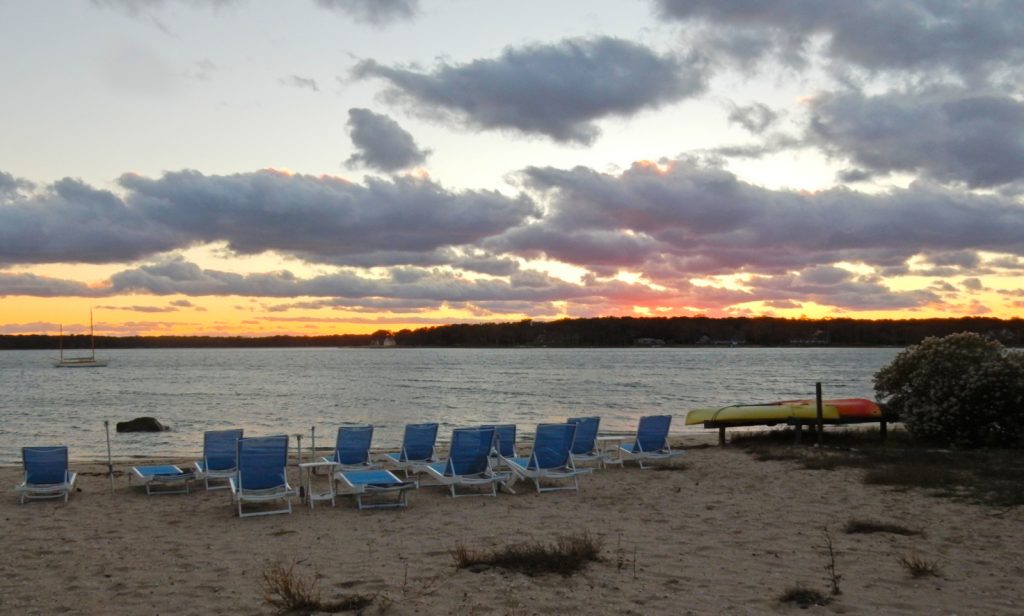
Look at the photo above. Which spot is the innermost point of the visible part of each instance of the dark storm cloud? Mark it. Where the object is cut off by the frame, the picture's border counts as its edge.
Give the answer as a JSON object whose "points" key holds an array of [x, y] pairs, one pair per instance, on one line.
{"points": [[948, 135], [323, 217], [375, 12], [70, 221], [696, 218], [969, 38], [557, 90], [381, 142]]}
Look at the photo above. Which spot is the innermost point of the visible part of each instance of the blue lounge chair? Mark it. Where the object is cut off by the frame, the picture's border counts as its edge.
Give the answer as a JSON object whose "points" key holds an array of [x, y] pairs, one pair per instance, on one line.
{"points": [[46, 473], [262, 474], [651, 441], [220, 448], [551, 459], [375, 482], [504, 443], [417, 448], [174, 479], [352, 448], [468, 462], [584, 445]]}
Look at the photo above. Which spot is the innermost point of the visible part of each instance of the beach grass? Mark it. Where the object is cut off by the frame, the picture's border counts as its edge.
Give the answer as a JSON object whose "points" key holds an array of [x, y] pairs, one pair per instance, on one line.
{"points": [[993, 477], [804, 597], [920, 567], [292, 593], [567, 555]]}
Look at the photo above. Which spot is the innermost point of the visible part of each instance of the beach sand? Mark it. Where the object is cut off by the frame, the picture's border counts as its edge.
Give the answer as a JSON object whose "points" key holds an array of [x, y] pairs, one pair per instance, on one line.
{"points": [[722, 534]]}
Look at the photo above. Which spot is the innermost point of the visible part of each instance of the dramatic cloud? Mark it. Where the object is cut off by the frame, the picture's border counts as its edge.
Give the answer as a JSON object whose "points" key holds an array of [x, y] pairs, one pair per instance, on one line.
{"points": [[381, 142], [375, 12], [39, 286], [947, 135], [554, 90], [73, 222], [323, 217], [695, 218], [973, 39], [318, 218]]}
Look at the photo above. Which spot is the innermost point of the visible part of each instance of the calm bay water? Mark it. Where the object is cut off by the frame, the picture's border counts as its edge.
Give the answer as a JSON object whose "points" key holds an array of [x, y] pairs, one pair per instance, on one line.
{"points": [[269, 391]]}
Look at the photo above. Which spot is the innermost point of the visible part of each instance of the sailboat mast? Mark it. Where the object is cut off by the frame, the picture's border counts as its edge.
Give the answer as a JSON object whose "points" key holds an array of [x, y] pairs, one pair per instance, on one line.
{"points": [[92, 338], [61, 326]]}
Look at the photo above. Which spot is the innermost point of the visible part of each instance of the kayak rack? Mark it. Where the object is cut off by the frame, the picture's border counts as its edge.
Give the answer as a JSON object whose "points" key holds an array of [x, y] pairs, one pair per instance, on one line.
{"points": [[796, 422]]}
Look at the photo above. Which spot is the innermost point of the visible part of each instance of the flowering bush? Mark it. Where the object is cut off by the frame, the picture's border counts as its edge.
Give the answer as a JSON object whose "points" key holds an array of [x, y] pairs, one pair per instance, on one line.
{"points": [[963, 390]]}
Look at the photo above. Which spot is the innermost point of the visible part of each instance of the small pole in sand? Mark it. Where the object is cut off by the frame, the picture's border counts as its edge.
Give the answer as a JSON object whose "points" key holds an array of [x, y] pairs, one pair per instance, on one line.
{"points": [[312, 443], [817, 399], [110, 464]]}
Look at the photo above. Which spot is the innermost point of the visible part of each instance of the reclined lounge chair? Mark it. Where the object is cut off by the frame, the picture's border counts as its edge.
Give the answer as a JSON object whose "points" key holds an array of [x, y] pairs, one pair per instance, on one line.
{"points": [[651, 441], [551, 459], [220, 448], [417, 448], [46, 473], [468, 462], [262, 474]]}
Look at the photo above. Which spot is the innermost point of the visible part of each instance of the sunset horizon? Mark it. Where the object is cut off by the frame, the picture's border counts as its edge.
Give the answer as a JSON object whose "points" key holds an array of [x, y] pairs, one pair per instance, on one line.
{"points": [[246, 169]]}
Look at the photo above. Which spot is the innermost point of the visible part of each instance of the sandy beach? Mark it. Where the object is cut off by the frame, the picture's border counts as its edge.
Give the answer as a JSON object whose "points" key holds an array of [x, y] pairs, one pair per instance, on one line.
{"points": [[722, 533]]}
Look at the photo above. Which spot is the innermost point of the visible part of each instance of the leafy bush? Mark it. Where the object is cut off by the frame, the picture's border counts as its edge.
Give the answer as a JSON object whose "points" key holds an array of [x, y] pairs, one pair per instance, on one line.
{"points": [[962, 390]]}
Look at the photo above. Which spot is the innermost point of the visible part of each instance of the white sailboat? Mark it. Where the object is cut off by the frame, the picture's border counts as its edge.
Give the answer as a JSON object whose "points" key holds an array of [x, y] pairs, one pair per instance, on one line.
{"points": [[85, 361]]}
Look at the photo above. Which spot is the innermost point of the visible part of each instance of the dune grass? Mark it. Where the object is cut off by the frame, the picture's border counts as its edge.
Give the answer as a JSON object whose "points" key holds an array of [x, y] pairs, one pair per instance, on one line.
{"points": [[567, 555], [804, 597], [291, 593], [992, 477], [919, 567]]}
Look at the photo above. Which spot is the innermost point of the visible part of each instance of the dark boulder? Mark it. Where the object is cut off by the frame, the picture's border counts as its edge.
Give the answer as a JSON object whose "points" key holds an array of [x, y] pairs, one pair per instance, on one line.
{"points": [[141, 424]]}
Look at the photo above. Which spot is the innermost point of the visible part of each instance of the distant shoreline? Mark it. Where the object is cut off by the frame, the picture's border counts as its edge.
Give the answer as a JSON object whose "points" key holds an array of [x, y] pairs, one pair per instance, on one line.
{"points": [[601, 332]]}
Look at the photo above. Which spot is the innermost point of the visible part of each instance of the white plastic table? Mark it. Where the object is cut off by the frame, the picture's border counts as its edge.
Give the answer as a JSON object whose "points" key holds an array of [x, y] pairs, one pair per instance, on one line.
{"points": [[313, 496]]}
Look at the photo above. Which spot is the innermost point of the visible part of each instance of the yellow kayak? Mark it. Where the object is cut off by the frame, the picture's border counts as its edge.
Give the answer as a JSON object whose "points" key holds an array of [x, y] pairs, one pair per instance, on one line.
{"points": [[843, 408]]}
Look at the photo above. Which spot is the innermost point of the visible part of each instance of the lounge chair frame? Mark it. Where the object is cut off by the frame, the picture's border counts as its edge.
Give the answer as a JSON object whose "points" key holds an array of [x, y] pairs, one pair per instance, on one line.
{"points": [[175, 480], [362, 483]]}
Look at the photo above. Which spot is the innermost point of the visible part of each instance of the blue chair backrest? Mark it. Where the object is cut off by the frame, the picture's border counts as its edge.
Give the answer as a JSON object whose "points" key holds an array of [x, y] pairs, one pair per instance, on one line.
{"points": [[418, 441], [262, 461], [45, 465], [504, 439], [353, 444], [220, 449], [652, 433], [469, 451], [586, 434], [551, 445]]}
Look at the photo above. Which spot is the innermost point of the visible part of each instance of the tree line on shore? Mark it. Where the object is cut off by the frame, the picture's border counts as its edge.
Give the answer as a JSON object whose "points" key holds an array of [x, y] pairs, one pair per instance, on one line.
{"points": [[590, 332]]}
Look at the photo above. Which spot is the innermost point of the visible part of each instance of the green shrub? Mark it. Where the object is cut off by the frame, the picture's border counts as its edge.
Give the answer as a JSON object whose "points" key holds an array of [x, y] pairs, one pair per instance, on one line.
{"points": [[961, 390]]}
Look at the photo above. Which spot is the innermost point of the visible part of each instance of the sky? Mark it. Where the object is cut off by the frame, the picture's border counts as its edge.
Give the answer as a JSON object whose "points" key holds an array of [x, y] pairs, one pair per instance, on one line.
{"points": [[257, 167]]}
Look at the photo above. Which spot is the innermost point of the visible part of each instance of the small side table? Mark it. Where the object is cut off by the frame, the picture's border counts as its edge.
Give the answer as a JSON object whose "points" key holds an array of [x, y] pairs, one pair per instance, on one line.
{"points": [[312, 496], [613, 455]]}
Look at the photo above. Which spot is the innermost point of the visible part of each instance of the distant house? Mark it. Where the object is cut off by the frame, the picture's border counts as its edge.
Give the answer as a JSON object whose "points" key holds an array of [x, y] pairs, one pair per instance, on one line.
{"points": [[649, 342], [386, 341]]}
